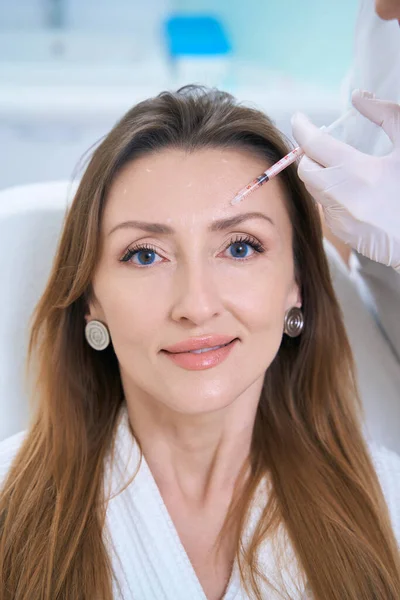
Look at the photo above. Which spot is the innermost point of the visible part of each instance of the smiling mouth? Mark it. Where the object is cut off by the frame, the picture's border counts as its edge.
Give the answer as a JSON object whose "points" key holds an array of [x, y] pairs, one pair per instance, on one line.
{"points": [[200, 359], [202, 350]]}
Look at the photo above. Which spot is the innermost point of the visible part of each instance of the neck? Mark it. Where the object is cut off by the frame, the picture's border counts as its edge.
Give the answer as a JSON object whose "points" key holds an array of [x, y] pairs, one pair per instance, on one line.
{"points": [[196, 456]]}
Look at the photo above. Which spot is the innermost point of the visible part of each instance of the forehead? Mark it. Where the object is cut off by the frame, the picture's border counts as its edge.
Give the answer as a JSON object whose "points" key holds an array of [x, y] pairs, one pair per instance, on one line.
{"points": [[176, 186]]}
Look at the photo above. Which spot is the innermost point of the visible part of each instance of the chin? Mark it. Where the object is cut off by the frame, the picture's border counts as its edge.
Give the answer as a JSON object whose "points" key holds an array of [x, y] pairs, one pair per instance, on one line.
{"points": [[206, 397]]}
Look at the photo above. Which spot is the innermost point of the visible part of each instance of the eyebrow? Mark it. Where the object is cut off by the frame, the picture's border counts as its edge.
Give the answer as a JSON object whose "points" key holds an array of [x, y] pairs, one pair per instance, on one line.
{"points": [[219, 225]]}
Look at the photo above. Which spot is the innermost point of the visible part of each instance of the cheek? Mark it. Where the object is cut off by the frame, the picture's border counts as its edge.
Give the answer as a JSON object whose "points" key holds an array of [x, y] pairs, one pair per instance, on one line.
{"points": [[257, 301], [259, 294], [133, 307]]}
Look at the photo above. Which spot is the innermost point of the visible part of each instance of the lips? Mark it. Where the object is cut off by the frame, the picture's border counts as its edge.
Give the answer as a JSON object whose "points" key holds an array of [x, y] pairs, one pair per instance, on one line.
{"points": [[198, 354], [200, 344]]}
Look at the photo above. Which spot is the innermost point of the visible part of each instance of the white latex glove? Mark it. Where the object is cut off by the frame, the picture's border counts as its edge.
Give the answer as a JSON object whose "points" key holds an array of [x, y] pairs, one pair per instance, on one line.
{"points": [[359, 193]]}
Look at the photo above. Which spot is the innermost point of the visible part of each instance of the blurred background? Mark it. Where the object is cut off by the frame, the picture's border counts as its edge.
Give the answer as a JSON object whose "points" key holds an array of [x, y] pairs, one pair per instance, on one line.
{"points": [[70, 68]]}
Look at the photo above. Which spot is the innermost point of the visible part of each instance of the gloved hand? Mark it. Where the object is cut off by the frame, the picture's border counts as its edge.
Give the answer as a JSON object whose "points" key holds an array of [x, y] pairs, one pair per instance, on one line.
{"points": [[359, 193]]}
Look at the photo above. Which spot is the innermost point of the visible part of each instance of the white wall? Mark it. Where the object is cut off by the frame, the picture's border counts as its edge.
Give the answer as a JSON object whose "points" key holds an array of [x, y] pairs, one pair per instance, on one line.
{"points": [[22, 14]]}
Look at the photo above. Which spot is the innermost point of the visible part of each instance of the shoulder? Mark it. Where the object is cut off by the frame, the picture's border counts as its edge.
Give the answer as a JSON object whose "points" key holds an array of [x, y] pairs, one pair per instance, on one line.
{"points": [[387, 467], [8, 451]]}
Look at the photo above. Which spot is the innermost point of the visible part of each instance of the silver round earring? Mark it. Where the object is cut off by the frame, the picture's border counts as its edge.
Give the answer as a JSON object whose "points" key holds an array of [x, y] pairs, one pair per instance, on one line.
{"points": [[294, 322], [97, 335]]}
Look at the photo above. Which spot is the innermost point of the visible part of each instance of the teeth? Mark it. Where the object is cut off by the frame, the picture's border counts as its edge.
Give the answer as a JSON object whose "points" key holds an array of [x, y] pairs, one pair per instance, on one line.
{"points": [[205, 350], [208, 349]]}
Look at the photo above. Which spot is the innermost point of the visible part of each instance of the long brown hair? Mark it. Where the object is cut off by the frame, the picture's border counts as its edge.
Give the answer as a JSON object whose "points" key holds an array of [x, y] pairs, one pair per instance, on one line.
{"points": [[307, 435]]}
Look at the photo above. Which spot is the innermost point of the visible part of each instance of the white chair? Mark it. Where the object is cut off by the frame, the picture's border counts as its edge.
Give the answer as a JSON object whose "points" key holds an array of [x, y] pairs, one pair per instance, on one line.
{"points": [[378, 368], [31, 218]]}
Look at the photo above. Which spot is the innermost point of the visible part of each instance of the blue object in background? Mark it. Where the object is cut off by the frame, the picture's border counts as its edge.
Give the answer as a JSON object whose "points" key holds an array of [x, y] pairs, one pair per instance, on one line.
{"points": [[196, 35], [311, 41]]}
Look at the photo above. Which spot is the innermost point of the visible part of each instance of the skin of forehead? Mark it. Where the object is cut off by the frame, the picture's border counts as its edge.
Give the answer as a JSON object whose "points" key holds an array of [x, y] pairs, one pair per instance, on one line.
{"points": [[204, 181]]}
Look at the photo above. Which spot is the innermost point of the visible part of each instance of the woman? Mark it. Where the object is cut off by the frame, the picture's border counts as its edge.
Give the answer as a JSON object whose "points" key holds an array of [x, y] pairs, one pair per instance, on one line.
{"points": [[199, 437]]}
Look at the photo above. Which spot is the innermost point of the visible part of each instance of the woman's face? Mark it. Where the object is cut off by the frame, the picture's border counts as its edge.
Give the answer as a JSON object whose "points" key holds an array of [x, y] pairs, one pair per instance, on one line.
{"points": [[179, 264]]}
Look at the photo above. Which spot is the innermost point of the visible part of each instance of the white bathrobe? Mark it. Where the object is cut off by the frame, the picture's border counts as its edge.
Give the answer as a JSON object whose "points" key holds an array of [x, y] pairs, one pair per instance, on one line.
{"points": [[148, 558]]}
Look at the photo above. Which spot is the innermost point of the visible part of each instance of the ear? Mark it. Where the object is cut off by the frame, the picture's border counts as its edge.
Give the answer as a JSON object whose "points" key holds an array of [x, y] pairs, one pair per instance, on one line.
{"points": [[299, 300], [93, 311], [294, 296]]}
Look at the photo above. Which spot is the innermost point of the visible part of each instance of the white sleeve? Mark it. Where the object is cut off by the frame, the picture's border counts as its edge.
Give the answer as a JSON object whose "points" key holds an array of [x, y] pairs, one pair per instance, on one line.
{"points": [[375, 68]]}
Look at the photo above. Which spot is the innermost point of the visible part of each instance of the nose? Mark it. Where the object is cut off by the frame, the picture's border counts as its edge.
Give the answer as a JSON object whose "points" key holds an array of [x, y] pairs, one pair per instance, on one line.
{"points": [[197, 299]]}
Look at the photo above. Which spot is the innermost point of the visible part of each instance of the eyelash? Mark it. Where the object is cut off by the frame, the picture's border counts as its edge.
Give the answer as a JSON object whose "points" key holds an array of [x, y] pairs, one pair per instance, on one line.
{"points": [[238, 239], [247, 239]]}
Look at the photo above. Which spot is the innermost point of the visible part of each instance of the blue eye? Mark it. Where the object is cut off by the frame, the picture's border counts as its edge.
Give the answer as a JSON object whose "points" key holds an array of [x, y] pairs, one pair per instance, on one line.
{"points": [[240, 249], [244, 247], [145, 257], [141, 256]]}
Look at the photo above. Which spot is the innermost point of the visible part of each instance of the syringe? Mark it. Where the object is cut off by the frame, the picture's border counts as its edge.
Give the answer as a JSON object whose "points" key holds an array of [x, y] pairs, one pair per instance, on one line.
{"points": [[285, 162]]}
